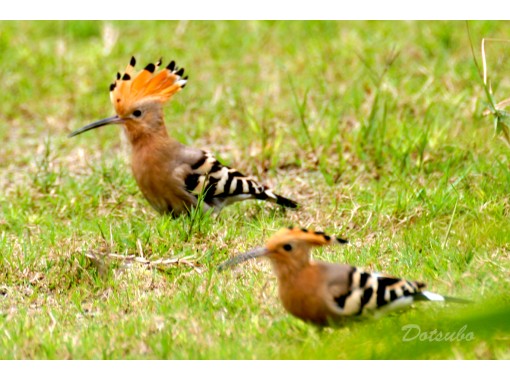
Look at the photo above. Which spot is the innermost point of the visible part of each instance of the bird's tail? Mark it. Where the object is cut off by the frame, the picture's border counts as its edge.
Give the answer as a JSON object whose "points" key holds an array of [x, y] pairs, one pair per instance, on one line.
{"points": [[430, 296], [278, 199]]}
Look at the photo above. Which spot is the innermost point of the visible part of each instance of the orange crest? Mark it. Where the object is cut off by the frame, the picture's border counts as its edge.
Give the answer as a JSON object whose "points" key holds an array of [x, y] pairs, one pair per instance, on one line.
{"points": [[148, 84], [301, 234]]}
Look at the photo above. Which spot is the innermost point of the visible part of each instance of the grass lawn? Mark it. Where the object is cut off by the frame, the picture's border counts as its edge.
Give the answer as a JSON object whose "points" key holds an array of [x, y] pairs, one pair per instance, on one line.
{"points": [[375, 128]]}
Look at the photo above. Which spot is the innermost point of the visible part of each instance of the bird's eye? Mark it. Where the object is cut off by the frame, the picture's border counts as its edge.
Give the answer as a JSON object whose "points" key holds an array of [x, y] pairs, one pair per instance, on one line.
{"points": [[287, 247], [137, 113]]}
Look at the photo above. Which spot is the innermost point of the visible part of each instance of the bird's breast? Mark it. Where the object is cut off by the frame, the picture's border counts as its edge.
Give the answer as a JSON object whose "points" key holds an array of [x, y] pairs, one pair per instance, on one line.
{"points": [[302, 296], [160, 183]]}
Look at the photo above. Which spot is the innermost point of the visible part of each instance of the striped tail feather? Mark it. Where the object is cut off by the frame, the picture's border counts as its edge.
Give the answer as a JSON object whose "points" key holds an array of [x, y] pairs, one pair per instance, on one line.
{"points": [[278, 199], [285, 202]]}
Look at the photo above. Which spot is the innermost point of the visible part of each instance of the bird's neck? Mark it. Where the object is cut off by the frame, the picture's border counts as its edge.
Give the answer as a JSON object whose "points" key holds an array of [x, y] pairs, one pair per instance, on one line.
{"points": [[285, 268], [140, 134]]}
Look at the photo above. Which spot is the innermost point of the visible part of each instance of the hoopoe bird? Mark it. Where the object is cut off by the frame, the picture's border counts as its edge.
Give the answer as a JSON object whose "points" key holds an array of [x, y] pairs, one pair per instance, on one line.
{"points": [[324, 293], [171, 175]]}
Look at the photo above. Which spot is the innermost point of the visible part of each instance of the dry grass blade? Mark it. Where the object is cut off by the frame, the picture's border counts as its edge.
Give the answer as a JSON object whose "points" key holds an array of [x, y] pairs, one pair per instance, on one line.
{"points": [[501, 118], [99, 260], [499, 106]]}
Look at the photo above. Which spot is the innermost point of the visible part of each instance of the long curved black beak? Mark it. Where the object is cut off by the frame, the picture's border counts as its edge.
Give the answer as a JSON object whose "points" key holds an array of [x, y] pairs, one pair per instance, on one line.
{"points": [[110, 120], [257, 252]]}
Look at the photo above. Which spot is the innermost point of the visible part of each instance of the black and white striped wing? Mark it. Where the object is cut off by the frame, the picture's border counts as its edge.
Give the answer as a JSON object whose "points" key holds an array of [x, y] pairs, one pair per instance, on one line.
{"points": [[370, 291], [222, 185]]}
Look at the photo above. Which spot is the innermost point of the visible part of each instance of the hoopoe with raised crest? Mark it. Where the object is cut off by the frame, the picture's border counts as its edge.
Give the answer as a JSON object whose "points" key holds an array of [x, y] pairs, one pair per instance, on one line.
{"points": [[324, 293], [171, 175]]}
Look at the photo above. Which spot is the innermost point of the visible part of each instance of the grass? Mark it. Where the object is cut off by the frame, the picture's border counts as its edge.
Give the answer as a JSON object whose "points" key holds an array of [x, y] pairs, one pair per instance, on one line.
{"points": [[375, 128]]}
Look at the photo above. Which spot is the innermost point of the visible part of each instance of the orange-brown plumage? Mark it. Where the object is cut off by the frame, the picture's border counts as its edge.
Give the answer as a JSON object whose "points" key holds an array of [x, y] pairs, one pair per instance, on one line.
{"points": [[171, 175], [325, 293]]}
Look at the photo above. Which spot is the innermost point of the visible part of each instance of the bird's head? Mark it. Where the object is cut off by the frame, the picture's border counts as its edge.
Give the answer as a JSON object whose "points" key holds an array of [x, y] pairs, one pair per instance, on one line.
{"points": [[138, 97], [288, 246]]}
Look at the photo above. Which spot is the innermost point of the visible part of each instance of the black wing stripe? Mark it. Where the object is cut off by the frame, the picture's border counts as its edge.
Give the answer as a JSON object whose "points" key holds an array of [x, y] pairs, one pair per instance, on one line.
{"points": [[199, 163], [363, 279], [239, 187], [340, 301], [365, 299], [216, 167], [191, 182], [388, 281], [351, 276], [228, 184], [381, 292], [250, 188]]}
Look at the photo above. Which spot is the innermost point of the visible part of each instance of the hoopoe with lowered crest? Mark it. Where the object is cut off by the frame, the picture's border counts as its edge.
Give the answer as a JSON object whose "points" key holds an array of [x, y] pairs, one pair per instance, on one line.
{"points": [[325, 293], [171, 175]]}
